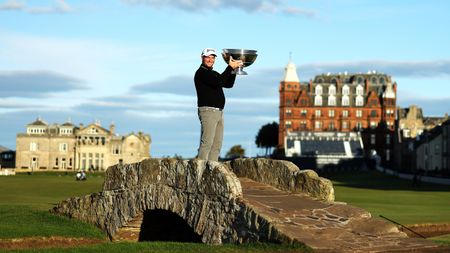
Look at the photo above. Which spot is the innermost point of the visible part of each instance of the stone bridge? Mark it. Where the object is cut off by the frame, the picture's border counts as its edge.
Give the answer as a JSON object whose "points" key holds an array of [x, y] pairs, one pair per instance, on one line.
{"points": [[245, 200]]}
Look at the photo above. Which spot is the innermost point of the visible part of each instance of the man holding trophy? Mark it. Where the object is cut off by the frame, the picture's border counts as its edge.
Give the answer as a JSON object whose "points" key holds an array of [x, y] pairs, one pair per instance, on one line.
{"points": [[209, 85]]}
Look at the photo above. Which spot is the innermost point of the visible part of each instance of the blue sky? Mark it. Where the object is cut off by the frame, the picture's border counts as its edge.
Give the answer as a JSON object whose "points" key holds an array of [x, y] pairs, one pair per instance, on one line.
{"points": [[132, 61]]}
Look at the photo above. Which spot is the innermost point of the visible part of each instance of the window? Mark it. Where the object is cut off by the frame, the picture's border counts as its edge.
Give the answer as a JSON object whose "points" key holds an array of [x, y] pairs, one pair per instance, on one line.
{"points": [[302, 124], [331, 113], [373, 124], [303, 112], [359, 90], [63, 147], [437, 149], [388, 139], [345, 113], [288, 112], [116, 149], [34, 146], [360, 80], [318, 113], [388, 155], [382, 80], [359, 100], [331, 125], [374, 80], [288, 124], [319, 89], [332, 90], [345, 100], [345, 90], [373, 113], [318, 100], [359, 125], [344, 125], [358, 113], [331, 100], [318, 124], [56, 162], [372, 139]]}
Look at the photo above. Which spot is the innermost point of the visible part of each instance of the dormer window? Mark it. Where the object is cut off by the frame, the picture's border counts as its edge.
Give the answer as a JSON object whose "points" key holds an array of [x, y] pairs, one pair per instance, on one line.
{"points": [[318, 90], [359, 90], [345, 90], [360, 80], [318, 100], [332, 90], [345, 100], [331, 100], [359, 101]]}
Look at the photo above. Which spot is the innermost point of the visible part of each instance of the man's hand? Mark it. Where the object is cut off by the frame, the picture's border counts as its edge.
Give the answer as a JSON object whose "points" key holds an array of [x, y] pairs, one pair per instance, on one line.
{"points": [[235, 63]]}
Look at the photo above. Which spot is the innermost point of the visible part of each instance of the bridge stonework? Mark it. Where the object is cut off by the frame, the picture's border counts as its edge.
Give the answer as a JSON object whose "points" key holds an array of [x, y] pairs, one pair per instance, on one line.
{"points": [[244, 200]]}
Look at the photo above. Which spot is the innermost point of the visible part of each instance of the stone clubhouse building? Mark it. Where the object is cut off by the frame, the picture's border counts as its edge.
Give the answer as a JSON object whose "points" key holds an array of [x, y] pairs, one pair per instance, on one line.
{"points": [[69, 147]]}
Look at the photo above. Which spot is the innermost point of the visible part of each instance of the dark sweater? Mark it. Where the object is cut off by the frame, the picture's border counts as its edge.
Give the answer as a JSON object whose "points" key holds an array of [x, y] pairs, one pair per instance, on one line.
{"points": [[209, 84]]}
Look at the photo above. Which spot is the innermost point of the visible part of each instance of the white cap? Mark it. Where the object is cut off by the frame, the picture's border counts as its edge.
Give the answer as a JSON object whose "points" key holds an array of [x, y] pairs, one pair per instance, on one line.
{"points": [[208, 52]]}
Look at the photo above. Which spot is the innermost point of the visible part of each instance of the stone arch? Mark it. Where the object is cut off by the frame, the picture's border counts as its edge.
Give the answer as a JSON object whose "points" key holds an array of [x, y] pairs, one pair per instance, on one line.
{"points": [[205, 194]]}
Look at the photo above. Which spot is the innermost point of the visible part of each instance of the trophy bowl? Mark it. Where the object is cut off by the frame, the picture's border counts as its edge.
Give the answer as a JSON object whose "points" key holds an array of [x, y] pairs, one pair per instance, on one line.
{"points": [[246, 56]]}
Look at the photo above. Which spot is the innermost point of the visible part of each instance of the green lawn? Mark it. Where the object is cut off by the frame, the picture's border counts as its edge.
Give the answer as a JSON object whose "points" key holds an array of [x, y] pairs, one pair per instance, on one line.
{"points": [[392, 197], [25, 201], [174, 247], [42, 190]]}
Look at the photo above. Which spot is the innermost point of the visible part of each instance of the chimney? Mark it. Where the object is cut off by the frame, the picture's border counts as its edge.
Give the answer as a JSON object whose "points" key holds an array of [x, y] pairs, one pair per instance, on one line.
{"points": [[112, 128]]}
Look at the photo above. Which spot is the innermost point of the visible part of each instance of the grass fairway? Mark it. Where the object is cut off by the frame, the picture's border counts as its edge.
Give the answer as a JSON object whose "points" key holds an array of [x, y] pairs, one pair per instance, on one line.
{"points": [[25, 201], [394, 198], [174, 247]]}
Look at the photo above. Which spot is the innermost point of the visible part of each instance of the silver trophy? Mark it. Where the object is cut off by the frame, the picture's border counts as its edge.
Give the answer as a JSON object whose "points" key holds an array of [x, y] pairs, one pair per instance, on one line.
{"points": [[246, 56]]}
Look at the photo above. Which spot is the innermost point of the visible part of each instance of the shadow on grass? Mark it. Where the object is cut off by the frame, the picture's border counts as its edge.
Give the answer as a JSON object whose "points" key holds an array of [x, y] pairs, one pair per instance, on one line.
{"points": [[378, 181]]}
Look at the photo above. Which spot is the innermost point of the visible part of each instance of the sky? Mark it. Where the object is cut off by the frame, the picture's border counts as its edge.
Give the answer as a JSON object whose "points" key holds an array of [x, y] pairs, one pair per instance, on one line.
{"points": [[132, 62]]}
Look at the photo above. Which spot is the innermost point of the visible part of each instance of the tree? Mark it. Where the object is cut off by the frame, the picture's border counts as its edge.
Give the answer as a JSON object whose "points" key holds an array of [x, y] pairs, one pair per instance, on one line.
{"points": [[235, 151], [267, 137]]}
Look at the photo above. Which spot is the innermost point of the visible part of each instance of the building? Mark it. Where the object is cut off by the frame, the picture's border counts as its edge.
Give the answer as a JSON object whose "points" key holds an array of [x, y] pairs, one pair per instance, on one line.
{"points": [[410, 121], [413, 129], [340, 103], [68, 147], [7, 158], [432, 150]]}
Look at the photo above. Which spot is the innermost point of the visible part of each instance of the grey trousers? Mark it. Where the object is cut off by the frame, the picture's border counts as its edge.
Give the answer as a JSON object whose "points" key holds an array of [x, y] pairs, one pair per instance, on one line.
{"points": [[211, 136]]}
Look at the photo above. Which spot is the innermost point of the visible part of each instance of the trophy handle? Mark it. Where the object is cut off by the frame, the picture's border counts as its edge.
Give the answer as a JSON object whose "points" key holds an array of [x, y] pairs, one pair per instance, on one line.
{"points": [[239, 71]]}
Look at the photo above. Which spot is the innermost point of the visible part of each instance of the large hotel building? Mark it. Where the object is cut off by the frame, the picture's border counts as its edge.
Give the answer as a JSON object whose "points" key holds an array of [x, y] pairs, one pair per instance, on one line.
{"points": [[357, 109], [70, 147]]}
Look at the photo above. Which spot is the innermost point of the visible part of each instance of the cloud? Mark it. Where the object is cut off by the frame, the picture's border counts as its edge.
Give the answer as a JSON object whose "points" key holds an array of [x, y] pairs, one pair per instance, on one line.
{"points": [[59, 6], [266, 6], [178, 84], [259, 83], [35, 83], [12, 5]]}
